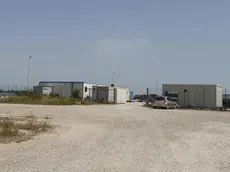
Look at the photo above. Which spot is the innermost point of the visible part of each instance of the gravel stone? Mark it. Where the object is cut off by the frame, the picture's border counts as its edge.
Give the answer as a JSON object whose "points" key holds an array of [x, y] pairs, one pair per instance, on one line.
{"points": [[121, 138]]}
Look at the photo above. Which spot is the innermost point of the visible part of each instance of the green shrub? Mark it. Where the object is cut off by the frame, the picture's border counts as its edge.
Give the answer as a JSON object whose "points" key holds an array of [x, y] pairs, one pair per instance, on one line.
{"points": [[69, 101], [54, 95], [58, 101], [76, 94], [25, 93]]}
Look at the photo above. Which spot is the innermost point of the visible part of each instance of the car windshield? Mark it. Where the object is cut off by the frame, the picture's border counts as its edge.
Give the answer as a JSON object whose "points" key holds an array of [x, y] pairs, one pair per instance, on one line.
{"points": [[169, 99], [174, 99], [160, 98]]}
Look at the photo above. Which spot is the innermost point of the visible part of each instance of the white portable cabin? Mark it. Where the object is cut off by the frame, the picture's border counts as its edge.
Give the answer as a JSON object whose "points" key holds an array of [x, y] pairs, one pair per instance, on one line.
{"points": [[109, 94], [121, 95]]}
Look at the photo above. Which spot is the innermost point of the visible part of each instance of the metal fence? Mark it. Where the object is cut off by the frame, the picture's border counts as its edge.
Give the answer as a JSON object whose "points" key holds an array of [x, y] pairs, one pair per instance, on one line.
{"points": [[12, 89]]}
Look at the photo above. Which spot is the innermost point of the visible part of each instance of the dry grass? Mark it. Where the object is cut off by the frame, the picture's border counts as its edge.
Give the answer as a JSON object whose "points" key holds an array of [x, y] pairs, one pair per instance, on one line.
{"points": [[43, 100], [19, 129]]}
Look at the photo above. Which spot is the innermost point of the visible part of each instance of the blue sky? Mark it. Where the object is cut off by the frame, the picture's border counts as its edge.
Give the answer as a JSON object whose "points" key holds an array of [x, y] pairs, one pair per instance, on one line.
{"points": [[173, 41]]}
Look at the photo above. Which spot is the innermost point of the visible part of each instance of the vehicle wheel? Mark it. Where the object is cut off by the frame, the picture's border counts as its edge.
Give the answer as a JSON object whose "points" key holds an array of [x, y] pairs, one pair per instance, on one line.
{"points": [[154, 107]]}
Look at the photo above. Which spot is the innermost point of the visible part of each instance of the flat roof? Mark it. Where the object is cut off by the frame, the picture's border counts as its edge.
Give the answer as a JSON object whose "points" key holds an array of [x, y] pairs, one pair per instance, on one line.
{"points": [[65, 82], [109, 86], [72, 82], [215, 85]]}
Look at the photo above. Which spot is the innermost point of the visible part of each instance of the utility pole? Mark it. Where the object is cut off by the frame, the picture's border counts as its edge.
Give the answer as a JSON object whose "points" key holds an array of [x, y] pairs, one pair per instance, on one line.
{"points": [[147, 96], [185, 91], [28, 84], [113, 79], [157, 88], [225, 99], [8, 89], [203, 97]]}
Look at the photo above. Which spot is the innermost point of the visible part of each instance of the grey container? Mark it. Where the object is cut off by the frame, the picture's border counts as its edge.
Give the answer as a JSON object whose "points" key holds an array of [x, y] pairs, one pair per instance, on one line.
{"points": [[63, 89], [197, 95]]}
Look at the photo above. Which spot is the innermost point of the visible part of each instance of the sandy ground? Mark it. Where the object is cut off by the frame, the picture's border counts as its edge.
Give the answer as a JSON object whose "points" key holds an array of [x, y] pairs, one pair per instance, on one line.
{"points": [[121, 138]]}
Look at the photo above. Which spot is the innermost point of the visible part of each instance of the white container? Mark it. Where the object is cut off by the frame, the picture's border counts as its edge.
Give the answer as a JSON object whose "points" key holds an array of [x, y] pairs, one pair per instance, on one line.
{"points": [[110, 94], [121, 95]]}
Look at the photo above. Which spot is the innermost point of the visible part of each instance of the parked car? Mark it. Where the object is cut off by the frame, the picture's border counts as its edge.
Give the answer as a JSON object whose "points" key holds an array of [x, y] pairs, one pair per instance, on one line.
{"points": [[165, 102], [149, 100]]}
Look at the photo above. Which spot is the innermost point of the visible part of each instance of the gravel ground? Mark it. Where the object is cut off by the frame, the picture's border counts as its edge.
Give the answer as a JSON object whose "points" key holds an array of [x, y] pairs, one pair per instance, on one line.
{"points": [[121, 138]]}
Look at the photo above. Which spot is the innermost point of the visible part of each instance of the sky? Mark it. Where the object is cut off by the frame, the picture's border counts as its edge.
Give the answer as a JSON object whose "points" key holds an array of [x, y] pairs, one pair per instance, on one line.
{"points": [[142, 41]]}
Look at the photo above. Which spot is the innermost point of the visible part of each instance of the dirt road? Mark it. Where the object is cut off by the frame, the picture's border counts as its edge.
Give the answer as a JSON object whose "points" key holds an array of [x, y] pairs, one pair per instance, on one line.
{"points": [[121, 138]]}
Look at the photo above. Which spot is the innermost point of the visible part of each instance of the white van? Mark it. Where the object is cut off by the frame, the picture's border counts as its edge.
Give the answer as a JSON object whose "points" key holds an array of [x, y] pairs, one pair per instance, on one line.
{"points": [[164, 102]]}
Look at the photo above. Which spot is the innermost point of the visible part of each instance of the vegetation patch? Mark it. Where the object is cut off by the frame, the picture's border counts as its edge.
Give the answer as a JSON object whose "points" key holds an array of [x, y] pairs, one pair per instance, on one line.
{"points": [[18, 129], [42, 100], [29, 97], [88, 102]]}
